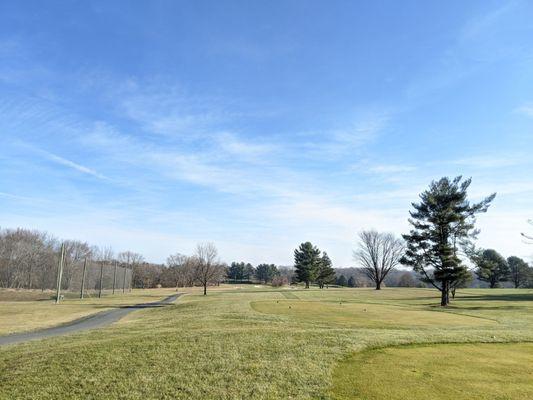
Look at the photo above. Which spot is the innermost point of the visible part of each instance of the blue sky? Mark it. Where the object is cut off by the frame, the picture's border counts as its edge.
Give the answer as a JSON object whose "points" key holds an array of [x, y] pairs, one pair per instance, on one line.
{"points": [[152, 126]]}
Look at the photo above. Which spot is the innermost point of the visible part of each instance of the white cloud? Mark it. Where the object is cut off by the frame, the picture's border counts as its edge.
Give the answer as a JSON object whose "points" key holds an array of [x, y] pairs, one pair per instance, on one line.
{"points": [[526, 109], [73, 165], [485, 23], [246, 150], [391, 168], [490, 161]]}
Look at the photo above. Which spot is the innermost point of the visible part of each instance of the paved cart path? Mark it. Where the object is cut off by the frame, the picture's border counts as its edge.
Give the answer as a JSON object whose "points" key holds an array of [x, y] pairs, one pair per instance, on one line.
{"points": [[94, 321]]}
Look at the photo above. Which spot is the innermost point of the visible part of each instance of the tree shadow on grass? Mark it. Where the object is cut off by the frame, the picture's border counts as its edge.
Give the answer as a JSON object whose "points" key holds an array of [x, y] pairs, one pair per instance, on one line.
{"points": [[486, 308], [498, 297]]}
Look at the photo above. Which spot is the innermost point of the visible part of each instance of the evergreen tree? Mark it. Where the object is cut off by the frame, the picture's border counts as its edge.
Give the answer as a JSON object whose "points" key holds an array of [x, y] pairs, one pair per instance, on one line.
{"points": [[341, 281], [236, 271], [443, 223], [265, 272], [351, 282], [248, 272], [306, 262], [519, 270], [464, 280], [491, 267], [325, 273]]}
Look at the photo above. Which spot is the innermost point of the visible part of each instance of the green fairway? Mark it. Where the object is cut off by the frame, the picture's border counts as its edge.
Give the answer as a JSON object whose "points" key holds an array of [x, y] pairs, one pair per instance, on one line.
{"points": [[449, 371], [359, 315], [246, 343]]}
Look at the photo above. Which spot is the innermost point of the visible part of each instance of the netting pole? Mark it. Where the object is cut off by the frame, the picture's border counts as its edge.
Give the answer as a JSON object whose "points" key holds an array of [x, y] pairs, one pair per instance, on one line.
{"points": [[124, 281], [101, 279], [115, 277], [60, 272], [131, 278], [83, 277]]}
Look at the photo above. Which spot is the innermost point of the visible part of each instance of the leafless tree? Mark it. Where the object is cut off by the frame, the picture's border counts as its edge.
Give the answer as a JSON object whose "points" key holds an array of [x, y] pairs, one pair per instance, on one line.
{"points": [[75, 253], [180, 271], [208, 268], [25, 258], [130, 258], [378, 253], [133, 262]]}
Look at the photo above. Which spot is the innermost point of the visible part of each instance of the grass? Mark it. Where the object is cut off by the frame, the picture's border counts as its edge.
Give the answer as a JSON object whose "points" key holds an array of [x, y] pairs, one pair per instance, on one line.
{"points": [[245, 343], [446, 371], [32, 309]]}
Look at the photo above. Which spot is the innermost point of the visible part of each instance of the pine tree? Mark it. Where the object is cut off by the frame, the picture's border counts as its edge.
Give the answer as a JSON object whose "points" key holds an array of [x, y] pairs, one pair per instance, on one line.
{"points": [[491, 267], [306, 262], [519, 270], [341, 281], [351, 282], [325, 273], [265, 272], [443, 222]]}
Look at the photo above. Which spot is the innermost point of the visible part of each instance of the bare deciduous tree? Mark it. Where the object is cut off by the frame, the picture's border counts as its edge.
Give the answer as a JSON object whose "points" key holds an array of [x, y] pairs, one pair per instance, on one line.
{"points": [[75, 252], [181, 270], [133, 261], [378, 254], [208, 267]]}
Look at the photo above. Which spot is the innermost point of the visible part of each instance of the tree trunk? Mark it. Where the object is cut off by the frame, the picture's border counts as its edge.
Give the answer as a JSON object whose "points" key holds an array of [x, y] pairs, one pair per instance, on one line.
{"points": [[307, 284], [445, 299], [205, 289], [378, 285], [492, 283]]}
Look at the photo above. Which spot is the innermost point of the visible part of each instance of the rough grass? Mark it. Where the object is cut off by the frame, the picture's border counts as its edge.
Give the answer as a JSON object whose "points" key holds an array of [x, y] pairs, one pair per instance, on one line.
{"points": [[222, 347], [29, 310]]}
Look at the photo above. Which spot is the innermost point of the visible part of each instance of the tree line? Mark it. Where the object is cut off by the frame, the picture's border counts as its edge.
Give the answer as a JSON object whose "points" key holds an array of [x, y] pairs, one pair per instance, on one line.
{"points": [[440, 241], [29, 259], [437, 248]]}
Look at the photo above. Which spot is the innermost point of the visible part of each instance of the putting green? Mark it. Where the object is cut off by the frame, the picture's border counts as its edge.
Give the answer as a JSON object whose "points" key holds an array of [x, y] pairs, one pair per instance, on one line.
{"points": [[438, 372], [366, 315]]}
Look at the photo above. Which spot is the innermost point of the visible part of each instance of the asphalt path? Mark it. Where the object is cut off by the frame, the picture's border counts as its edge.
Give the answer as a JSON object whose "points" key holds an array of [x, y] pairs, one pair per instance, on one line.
{"points": [[98, 320]]}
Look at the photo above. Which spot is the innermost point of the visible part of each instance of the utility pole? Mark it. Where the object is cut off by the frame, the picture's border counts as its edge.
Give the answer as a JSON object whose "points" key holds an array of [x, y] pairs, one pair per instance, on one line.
{"points": [[83, 277], [101, 279], [114, 277], [124, 280], [60, 272]]}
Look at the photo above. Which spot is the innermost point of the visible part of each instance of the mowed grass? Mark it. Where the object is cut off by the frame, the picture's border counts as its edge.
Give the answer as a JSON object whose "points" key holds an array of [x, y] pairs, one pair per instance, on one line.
{"points": [[242, 343], [22, 311], [445, 371], [342, 313]]}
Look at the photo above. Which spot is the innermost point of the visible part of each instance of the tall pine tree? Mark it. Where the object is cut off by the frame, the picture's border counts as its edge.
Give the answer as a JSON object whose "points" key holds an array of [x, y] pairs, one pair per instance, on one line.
{"points": [[325, 273], [443, 223], [306, 263]]}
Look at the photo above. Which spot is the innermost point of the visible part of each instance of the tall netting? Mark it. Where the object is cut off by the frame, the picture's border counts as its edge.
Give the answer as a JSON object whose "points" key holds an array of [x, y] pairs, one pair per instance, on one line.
{"points": [[31, 259], [96, 277]]}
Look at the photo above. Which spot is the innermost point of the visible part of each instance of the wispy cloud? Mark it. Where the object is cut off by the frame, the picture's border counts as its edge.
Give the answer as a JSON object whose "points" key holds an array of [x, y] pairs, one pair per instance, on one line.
{"points": [[247, 150], [526, 109], [365, 128], [493, 161], [483, 23], [71, 164], [390, 168]]}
